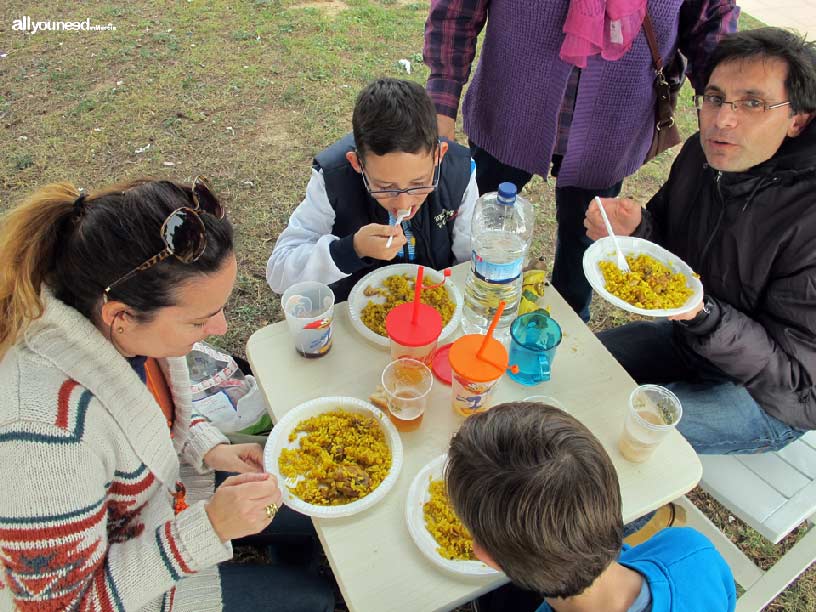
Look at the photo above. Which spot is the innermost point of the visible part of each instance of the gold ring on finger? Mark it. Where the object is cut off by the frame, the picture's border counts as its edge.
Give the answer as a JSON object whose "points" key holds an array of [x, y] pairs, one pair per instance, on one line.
{"points": [[271, 511]]}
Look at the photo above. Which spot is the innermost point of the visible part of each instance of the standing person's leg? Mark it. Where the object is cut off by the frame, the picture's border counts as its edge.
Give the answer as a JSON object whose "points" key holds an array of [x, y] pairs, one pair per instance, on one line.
{"points": [[722, 418], [568, 271], [490, 171], [273, 587]]}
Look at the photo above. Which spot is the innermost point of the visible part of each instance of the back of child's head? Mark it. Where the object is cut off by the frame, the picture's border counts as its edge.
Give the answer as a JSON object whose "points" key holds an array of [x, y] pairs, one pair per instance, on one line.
{"points": [[394, 116], [539, 494]]}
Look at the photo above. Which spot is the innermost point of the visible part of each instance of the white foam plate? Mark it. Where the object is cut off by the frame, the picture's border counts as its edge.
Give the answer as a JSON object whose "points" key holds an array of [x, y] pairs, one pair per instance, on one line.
{"points": [[279, 439], [417, 496], [357, 300], [604, 250]]}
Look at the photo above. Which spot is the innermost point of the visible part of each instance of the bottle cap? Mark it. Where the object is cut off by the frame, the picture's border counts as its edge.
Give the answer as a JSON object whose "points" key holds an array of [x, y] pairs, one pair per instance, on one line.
{"points": [[507, 193]]}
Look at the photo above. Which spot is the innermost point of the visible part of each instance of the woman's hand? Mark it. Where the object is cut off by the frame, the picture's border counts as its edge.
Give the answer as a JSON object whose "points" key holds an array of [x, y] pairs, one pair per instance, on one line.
{"points": [[241, 458], [238, 507]]}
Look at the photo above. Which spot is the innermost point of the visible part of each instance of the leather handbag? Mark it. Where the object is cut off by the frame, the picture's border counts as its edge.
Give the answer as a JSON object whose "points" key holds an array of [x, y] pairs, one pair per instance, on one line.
{"points": [[667, 86]]}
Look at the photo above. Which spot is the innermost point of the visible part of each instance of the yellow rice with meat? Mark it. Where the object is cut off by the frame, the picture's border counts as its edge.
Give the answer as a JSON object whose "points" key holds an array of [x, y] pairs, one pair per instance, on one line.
{"points": [[454, 541], [343, 457], [398, 289], [650, 284]]}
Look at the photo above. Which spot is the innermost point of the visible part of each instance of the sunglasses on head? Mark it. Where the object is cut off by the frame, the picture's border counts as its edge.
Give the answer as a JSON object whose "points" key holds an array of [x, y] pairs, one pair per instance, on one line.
{"points": [[183, 231]]}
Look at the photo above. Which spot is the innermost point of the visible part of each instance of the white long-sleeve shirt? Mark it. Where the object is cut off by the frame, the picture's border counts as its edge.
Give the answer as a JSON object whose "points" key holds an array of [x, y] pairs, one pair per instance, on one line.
{"points": [[302, 250]]}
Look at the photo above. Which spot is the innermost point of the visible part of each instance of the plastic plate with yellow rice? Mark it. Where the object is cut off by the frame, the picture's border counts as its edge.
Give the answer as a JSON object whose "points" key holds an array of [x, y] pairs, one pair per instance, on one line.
{"points": [[648, 284], [373, 297], [660, 284], [434, 527], [334, 456]]}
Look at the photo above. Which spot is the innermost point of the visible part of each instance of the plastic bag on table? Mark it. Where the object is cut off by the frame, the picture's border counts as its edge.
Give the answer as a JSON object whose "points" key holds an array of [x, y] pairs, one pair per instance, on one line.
{"points": [[232, 401]]}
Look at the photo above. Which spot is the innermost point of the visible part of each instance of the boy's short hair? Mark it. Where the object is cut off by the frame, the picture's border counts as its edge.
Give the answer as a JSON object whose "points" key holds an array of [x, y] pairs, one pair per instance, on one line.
{"points": [[539, 494], [392, 115], [797, 52]]}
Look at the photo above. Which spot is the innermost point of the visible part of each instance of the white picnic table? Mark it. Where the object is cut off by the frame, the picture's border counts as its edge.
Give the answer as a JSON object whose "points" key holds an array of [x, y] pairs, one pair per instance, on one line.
{"points": [[375, 561]]}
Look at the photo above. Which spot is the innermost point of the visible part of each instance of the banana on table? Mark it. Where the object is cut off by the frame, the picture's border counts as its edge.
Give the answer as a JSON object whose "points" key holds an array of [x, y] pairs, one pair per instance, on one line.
{"points": [[533, 285]]}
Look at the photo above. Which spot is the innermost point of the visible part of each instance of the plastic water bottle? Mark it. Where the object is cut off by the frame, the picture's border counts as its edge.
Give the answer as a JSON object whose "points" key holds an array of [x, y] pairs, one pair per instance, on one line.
{"points": [[501, 231]]}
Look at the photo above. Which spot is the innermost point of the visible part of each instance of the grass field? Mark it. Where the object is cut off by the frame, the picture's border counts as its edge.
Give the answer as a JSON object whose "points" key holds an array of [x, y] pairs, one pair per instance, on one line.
{"points": [[245, 93]]}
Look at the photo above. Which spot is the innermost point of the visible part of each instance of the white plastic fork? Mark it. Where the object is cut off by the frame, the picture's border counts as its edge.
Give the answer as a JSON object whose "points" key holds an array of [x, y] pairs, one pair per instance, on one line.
{"points": [[621, 259], [400, 216]]}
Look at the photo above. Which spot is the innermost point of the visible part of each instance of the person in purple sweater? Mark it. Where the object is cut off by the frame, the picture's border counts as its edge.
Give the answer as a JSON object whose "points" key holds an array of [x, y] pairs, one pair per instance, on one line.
{"points": [[539, 97], [540, 496]]}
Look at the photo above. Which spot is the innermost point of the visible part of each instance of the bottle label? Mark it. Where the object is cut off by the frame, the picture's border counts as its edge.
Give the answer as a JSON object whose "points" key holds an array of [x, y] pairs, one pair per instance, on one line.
{"points": [[496, 273]]}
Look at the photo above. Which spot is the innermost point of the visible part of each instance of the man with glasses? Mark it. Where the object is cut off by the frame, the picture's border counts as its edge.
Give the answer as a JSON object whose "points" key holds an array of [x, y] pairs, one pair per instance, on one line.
{"points": [[380, 195], [740, 208]]}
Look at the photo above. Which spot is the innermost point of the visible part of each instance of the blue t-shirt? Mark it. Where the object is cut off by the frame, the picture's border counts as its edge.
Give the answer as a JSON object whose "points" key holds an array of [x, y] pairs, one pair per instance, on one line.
{"points": [[683, 572]]}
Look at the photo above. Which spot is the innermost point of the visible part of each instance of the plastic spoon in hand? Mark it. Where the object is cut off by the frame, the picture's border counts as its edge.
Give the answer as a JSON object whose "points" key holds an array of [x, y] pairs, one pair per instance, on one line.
{"points": [[621, 259], [400, 216]]}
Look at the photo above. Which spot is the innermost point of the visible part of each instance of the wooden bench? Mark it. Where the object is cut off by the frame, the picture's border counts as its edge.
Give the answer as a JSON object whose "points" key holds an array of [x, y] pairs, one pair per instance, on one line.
{"points": [[773, 493]]}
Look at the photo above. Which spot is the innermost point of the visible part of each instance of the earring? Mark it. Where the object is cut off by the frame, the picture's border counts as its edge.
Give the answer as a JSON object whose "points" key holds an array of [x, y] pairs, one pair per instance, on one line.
{"points": [[120, 329]]}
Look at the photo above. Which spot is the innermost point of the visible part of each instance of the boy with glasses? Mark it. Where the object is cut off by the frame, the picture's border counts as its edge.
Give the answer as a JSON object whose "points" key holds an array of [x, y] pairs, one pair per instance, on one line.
{"points": [[380, 195], [740, 208]]}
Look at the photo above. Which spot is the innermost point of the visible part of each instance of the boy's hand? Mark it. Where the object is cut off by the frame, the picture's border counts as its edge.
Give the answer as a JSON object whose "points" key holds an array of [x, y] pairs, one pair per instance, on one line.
{"points": [[624, 216], [370, 241]]}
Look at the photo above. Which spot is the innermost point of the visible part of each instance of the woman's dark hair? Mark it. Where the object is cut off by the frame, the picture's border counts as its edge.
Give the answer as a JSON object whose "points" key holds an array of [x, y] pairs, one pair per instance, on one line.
{"points": [[392, 115], [78, 248], [797, 52]]}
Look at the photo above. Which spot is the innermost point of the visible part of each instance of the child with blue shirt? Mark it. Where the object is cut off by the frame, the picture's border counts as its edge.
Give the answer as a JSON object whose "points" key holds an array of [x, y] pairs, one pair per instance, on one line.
{"points": [[540, 497], [389, 169]]}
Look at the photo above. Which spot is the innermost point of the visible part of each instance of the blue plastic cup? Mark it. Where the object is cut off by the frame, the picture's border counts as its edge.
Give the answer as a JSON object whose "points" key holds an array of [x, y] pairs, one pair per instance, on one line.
{"points": [[533, 339]]}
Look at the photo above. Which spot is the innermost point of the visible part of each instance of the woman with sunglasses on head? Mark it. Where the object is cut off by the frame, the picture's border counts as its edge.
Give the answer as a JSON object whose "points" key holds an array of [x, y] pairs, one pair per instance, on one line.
{"points": [[101, 296]]}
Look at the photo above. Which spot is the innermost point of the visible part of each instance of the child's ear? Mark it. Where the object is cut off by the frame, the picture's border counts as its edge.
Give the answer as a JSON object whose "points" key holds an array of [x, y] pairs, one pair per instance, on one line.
{"points": [[443, 148], [352, 158], [482, 556]]}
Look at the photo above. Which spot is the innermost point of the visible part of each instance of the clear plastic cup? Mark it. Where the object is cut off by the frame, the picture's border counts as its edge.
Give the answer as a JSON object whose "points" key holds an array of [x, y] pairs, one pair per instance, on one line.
{"points": [[653, 412], [309, 311], [407, 384]]}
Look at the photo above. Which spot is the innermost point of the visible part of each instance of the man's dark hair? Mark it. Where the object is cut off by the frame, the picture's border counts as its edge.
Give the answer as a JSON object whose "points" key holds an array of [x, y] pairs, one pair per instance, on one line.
{"points": [[799, 54], [539, 494], [392, 115]]}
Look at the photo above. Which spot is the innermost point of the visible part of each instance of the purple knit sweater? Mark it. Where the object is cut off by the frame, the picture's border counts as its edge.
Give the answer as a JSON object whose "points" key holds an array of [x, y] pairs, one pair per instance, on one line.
{"points": [[511, 107]]}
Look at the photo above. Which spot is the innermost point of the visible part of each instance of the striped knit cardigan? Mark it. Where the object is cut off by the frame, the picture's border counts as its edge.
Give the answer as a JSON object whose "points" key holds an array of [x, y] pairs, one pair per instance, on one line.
{"points": [[87, 472]]}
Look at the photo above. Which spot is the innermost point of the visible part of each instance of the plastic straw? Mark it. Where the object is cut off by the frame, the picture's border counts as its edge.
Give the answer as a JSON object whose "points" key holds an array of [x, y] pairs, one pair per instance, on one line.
{"points": [[490, 330], [417, 293]]}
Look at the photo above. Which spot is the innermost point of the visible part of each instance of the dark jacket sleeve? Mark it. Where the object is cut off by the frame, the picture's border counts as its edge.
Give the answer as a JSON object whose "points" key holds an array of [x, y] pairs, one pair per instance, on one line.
{"points": [[772, 353]]}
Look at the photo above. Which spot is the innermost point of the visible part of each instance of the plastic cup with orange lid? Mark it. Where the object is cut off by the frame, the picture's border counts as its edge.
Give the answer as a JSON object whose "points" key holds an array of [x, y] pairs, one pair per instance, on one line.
{"points": [[414, 328], [477, 363]]}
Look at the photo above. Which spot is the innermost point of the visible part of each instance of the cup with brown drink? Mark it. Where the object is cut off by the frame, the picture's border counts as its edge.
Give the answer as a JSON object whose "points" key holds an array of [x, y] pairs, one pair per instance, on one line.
{"points": [[653, 412]]}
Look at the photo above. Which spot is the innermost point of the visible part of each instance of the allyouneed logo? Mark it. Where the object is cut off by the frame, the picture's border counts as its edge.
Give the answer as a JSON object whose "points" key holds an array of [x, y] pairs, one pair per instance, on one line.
{"points": [[25, 24]]}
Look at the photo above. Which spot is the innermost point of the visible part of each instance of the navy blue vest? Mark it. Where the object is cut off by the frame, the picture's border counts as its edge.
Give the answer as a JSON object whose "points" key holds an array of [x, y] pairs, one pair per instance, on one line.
{"points": [[353, 208]]}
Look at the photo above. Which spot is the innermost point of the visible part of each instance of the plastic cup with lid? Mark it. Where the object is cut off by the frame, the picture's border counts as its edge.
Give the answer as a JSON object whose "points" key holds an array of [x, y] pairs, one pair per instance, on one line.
{"points": [[413, 328]]}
